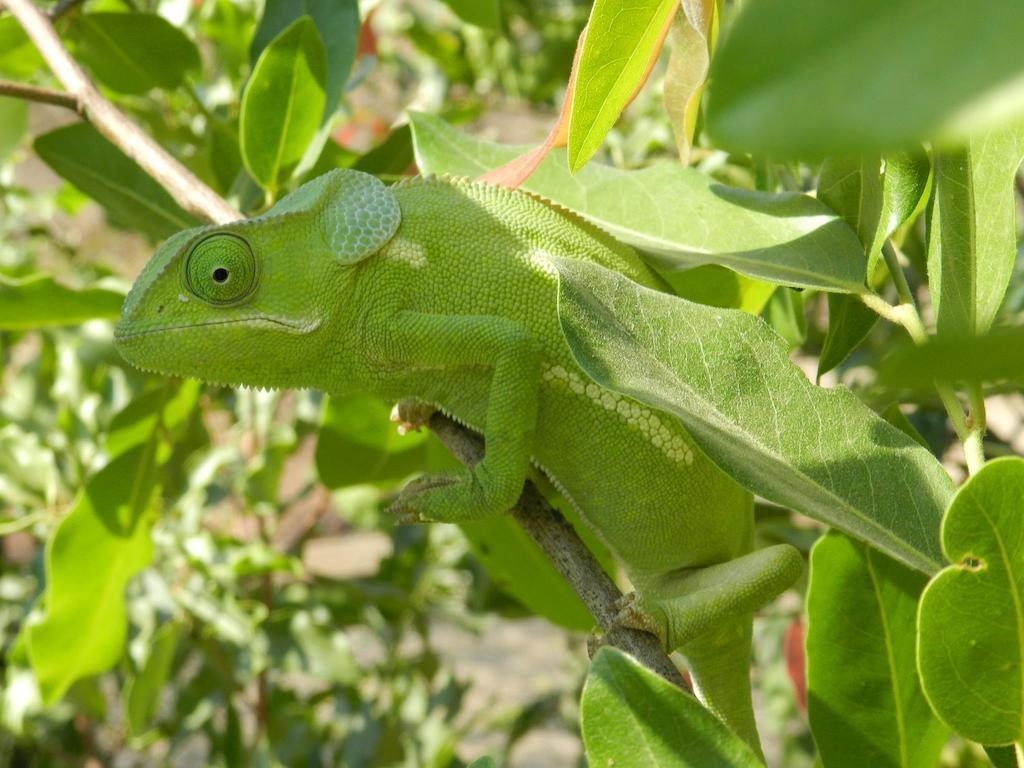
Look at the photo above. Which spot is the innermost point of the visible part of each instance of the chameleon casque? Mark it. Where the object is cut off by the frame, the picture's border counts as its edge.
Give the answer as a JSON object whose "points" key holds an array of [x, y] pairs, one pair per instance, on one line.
{"points": [[445, 292]]}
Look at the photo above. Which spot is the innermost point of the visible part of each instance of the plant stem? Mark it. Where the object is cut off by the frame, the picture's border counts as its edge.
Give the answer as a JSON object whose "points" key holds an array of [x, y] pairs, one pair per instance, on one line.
{"points": [[41, 95], [970, 430]]}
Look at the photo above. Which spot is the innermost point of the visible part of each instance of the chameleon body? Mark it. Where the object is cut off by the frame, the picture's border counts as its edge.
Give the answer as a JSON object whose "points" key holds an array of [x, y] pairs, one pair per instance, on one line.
{"points": [[446, 292]]}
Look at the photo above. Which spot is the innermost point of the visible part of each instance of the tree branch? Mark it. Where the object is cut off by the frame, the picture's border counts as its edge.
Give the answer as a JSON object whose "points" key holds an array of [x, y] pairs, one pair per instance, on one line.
{"points": [[41, 95], [570, 556], [542, 523], [186, 189]]}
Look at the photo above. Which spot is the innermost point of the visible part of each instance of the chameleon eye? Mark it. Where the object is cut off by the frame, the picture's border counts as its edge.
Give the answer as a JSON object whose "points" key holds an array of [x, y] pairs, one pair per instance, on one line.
{"points": [[221, 269]]}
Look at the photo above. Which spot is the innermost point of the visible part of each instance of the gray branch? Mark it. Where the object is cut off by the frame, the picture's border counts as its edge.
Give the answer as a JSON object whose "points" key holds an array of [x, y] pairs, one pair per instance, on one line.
{"points": [[567, 552], [542, 523], [186, 189]]}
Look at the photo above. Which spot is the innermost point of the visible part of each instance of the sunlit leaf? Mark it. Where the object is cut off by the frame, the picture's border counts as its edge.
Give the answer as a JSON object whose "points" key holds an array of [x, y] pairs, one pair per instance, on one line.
{"points": [[677, 214], [690, 42], [622, 43], [970, 620], [729, 379], [632, 718], [803, 77], [865, 703], [283, 102], [133, 52], [102, 543]]}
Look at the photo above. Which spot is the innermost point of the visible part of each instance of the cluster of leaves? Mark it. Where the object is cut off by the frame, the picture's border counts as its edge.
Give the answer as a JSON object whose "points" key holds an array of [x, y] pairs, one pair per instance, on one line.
{"points": [[226, 649]]}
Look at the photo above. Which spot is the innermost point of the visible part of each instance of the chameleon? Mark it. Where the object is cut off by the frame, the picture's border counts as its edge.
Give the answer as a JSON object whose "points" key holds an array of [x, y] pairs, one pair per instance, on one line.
{"points": [[441, 293]]}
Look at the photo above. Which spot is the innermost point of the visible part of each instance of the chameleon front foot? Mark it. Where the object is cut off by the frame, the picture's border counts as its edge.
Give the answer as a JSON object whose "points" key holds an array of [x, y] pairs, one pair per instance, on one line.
{"points": [[411, 415], [454, 497], [632, 612]]}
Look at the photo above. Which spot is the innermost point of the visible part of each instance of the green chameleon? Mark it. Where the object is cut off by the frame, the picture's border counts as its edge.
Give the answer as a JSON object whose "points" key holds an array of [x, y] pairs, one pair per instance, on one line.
{"points": [[442, 294]]}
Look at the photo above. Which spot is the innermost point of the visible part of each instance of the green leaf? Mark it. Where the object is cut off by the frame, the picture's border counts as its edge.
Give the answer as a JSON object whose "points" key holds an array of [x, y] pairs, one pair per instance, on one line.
{"points": [[690, 39], [358, 444], [131, 197], [481, 13], [170, 404], [865, 703], [39, 301], [850, 322], [996, 356], [972, 239], [95, 551], [632, 718], [143, 691], [18, 56], [803, 77], [720, 287], [133, 52], [13, 124], [623, 39], [338, 24], [677, 214], [970, 650], [519, 568], [729, 379], [483, 762], [283, 102], [875, 196]]}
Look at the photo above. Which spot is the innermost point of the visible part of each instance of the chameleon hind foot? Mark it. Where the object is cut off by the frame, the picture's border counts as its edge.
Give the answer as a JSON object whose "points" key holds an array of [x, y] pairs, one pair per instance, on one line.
{"points": [[411, 415], [680, 606]]}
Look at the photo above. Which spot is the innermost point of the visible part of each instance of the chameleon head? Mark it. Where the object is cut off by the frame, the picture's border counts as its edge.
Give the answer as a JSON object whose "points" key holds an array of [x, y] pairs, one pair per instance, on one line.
{"points": [[252, 302]]}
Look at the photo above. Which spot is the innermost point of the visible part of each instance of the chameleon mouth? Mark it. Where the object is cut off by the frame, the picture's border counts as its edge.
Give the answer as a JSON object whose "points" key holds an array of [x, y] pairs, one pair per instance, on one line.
{"points": [[122, 336]]}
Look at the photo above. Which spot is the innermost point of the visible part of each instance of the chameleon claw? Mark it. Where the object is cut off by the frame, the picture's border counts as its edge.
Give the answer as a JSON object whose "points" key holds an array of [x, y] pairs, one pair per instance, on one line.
{"points": [[407, 508], [411, 415]]}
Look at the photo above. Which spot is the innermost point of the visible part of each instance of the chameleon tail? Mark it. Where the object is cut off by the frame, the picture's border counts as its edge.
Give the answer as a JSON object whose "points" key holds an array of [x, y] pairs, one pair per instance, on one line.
{"points": [[719, 664]]}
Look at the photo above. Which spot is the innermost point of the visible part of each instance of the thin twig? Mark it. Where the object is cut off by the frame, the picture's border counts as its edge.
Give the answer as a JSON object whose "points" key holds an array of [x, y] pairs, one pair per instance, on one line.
{"points": [[186, 189], [41, 95], [570, 556]]}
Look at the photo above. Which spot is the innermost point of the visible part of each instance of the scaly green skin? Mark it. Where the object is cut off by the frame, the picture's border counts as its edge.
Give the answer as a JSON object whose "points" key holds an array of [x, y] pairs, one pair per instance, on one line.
{"points": [[445, 291]]}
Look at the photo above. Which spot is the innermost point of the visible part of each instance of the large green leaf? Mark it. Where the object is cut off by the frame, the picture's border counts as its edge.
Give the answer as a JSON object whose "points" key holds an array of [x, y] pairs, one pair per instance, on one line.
{"points": [[805, 77], [99, 169], [865, 703], [133, 52], [338, 24], [102, 543], [677, 214], [18, 56], [40, 302], [283, 103], [482, 13], [970, 651], [728, 378], [623, 37], [632, 718], [972, 241]]}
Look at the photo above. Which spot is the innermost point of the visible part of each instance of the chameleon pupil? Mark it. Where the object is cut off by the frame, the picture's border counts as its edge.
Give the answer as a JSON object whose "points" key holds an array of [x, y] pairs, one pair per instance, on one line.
{"points": [[220, 275]]}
